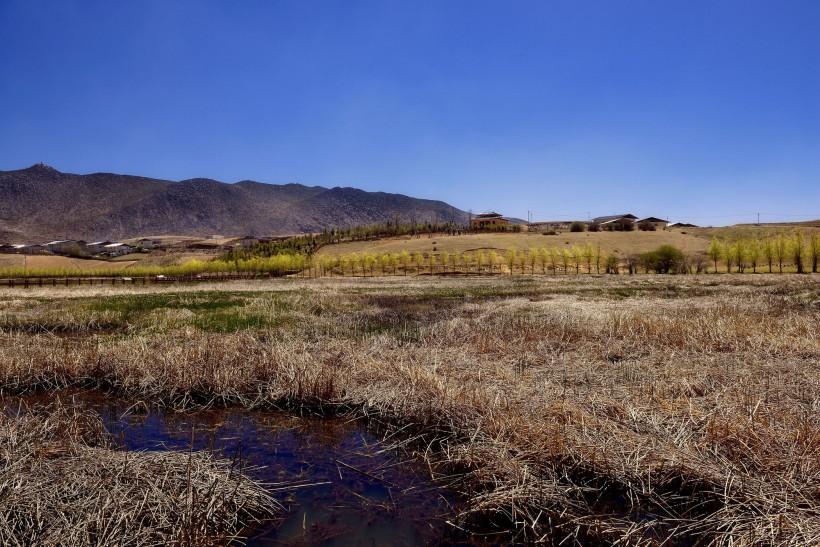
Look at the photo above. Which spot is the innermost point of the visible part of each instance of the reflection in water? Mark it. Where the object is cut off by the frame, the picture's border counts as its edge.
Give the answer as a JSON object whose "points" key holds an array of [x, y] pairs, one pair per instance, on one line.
{"points": [[342, 486]]}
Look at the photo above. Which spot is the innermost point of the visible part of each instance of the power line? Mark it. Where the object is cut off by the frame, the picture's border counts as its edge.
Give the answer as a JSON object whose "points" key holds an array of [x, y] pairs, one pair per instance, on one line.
{"points": [[570, 215]]}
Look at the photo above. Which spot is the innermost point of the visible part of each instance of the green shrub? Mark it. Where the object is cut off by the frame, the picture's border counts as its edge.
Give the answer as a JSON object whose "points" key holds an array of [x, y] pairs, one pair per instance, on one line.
{"points": [[664, 259]]}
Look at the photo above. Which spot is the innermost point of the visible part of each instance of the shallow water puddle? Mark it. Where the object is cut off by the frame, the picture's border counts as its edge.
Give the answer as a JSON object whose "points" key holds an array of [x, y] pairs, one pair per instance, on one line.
{"points": [[340, 484]]}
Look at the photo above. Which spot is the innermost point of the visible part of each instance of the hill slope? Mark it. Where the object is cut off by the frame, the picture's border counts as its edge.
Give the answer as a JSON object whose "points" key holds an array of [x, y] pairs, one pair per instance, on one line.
{"points": [[41, 203]]}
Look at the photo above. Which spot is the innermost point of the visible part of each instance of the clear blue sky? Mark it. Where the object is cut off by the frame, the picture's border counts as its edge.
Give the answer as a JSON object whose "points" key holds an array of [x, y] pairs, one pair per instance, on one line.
{"points": [[669, 108]]}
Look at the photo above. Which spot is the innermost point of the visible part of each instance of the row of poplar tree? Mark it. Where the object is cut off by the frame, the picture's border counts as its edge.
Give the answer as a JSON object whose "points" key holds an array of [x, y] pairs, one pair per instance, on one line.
{"points": [[791, 249]]}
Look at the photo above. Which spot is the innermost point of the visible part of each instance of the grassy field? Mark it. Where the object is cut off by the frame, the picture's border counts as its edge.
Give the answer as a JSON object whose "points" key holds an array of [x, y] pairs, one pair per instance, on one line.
{"points": [[620, 243], [626, 409]]}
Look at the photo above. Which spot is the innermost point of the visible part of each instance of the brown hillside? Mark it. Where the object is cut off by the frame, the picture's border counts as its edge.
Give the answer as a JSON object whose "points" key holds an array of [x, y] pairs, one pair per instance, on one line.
{"points": [[41, 203]]}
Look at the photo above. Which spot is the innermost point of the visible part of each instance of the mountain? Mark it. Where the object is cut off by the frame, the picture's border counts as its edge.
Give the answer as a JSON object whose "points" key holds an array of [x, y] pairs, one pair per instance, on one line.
{"points": [[40, 203]]}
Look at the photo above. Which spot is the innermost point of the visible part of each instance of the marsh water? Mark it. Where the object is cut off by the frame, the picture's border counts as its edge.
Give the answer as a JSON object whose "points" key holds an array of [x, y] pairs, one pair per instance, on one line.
{"points": [[340, 483]]}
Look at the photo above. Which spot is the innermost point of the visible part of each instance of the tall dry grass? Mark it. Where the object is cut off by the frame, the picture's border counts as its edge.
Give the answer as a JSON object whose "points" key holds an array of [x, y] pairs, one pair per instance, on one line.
{"points": [[618, 410], [63, 483]]}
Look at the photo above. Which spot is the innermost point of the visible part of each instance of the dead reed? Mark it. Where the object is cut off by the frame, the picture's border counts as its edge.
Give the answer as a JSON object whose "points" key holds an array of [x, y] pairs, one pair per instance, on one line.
{"points": [[62, 483], [619, 410]]}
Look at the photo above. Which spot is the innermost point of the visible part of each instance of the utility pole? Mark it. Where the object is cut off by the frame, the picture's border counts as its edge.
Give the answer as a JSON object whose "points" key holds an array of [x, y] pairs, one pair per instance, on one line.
{"points": [[758, 219]]}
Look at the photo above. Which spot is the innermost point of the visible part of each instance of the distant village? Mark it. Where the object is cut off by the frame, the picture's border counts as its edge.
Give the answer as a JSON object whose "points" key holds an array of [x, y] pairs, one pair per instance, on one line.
{"points": [[110, 249], [490, 221], [80, 248], [625, 222]]}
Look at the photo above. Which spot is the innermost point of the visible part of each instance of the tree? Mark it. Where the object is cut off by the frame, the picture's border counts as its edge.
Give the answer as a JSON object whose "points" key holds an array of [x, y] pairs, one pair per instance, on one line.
{"points": [[467, 259], [368, 260], [554, 258], [665, 259], [75, 251], [611, 264], [797, 248], [577, 226], [454, 261], [648, 261], [728, 257], [418, 259], [405, 259], [576, 259], [384, 263], [768, 252], [715, 251], [492, 259], [479, 259], [566, 259], [588, 254], [632, 261], [739, 254], [814, 250], [510, 257], [445, 258], [753, 252], [599, 257], [781, 246]]}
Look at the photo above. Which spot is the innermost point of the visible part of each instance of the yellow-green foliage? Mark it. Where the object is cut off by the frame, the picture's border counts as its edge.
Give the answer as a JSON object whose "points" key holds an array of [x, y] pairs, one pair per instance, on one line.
{"points": [[743, 249]]}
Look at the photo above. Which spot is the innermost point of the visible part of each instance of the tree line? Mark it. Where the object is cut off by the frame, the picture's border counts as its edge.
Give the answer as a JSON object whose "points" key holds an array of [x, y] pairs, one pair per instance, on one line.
{"points": [[743, 253], [795, 250]]}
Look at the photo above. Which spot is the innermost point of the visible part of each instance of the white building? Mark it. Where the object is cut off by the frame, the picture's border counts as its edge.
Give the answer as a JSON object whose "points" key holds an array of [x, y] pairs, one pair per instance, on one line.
{"points": [[149, 242], [98, 247], [118, 249]]}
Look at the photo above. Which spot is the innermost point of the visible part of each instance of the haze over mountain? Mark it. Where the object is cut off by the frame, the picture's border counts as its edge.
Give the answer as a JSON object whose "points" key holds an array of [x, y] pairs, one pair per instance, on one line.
{"points": [[40, 203]]}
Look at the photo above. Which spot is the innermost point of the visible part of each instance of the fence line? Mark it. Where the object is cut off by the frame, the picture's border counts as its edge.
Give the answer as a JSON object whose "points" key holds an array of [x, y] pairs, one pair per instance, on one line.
{"points": [[26, 283]]}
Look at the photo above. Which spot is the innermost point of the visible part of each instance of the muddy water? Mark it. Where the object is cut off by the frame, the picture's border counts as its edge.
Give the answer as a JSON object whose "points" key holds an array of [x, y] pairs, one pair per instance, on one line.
{"points": [[341, 484]]}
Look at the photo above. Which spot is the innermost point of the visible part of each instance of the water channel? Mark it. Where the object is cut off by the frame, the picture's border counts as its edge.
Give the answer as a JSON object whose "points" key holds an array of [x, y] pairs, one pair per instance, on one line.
{"points": [[341, 484]]}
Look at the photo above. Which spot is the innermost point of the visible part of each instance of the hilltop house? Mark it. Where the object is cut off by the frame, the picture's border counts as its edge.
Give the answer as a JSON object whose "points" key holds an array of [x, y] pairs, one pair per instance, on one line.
{"points": [[28, 249], [249, 241], [149, 242], [616, 222], [487, 220], [654, 221], [118, 249]]}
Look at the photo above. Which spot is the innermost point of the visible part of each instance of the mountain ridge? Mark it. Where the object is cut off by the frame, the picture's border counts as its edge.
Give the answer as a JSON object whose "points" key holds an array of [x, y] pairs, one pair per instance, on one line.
{"points": [[41, 203]]}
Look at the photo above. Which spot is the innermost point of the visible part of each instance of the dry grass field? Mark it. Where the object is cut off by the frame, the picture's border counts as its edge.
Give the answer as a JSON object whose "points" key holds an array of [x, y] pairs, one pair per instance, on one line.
{"points": [[646, 410], [50, 262], [619, 243], [12, 261], [160, 258]]}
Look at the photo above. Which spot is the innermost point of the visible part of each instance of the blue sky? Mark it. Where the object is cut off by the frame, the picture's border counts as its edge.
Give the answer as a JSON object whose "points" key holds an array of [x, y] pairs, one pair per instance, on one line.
{"points": [[695, 110]]}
